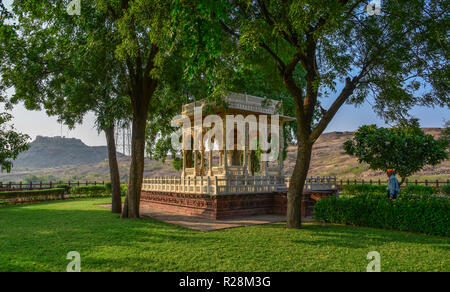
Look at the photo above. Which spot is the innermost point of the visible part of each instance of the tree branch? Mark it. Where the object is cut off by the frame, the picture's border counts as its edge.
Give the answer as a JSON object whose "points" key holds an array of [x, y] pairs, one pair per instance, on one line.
{"points": [[281, 65], [347, 91], [151, 61]]}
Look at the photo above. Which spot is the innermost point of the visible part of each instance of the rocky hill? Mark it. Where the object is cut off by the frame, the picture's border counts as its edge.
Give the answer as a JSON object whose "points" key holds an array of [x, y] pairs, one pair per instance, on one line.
{"points": [[48, 152]]}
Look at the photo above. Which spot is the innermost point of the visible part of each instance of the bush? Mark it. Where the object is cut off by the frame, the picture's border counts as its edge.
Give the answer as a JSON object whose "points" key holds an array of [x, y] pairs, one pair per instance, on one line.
{"points": [[32, 195], [108, 187], [66, 187], [357, 189], [90, 191], [124, 189], [419, 190], [445, 190], [428, 215]]}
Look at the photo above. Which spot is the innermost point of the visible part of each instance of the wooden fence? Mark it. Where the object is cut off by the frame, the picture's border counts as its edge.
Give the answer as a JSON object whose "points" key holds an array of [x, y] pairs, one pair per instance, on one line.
{"points": [[433, 183], [10, 186]]}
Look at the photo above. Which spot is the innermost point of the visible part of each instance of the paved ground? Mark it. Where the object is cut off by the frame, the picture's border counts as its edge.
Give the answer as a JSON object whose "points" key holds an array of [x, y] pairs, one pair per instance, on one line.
{"points": [[203, 224]]}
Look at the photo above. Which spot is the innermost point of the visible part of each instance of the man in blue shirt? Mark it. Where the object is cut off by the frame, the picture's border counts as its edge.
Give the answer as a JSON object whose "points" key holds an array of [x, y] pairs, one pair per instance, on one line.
{"points": [[393, 188]]}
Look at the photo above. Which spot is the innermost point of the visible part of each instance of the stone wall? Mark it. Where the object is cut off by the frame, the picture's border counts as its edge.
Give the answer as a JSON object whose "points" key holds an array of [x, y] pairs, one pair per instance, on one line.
{"points": [[227, 206]]}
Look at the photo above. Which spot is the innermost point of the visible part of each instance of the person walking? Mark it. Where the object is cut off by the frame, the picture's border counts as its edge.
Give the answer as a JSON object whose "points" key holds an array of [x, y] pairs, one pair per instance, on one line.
{"points": [[393, 187]]}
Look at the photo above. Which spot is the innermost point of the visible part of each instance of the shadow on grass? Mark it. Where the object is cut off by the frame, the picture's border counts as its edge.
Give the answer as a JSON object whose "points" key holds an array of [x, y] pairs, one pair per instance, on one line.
{"points": [[45, 232], [361, 237]]}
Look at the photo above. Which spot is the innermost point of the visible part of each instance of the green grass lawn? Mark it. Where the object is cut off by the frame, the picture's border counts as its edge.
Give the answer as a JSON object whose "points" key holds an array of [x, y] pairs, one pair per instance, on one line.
{"points": [[38, 237]]}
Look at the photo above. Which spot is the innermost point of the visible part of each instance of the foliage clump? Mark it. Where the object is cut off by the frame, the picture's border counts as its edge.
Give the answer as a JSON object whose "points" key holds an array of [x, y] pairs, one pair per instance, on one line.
{"points": [[424, 214], [90, 191], [404, 148]]}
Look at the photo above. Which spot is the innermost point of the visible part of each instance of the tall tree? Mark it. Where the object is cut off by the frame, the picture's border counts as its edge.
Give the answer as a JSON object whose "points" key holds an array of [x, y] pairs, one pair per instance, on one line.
{"points": [[145, 31], [117, 51], [319, 48], [69, 68]]}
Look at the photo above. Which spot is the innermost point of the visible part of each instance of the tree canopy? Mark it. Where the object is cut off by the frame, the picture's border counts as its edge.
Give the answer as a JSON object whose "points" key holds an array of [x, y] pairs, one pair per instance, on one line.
{"points": [[116, 58], [11, 143], [404, 148], [322, 49]]}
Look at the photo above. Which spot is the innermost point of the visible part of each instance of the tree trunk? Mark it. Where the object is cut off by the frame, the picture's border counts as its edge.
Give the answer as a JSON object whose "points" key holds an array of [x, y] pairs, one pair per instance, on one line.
{"points": [[297, 183], [113, 171], [132, 200]]}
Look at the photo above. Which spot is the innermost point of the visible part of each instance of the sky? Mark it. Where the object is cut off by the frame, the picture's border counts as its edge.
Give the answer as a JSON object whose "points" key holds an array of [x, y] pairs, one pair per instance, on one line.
{"points": [[348, 118]]}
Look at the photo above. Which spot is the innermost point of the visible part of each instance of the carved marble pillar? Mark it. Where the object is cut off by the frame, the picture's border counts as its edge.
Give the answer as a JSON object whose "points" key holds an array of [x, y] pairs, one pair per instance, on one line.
{"points": [[183, 174], [245, 152], [202, 162], [280, 155], [195, 162], [249, 162], [264, 165], [210, 162]]}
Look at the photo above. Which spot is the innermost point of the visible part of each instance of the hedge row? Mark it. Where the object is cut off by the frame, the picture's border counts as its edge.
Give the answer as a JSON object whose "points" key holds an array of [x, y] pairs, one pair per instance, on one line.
{"points": [[425, 214], [89, 191], [56, 193], [358, 189], [445, 190]]}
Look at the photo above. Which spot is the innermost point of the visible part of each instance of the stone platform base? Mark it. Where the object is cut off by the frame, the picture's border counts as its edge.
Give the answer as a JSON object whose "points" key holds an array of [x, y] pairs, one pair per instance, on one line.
{"points": [[228, 206]]}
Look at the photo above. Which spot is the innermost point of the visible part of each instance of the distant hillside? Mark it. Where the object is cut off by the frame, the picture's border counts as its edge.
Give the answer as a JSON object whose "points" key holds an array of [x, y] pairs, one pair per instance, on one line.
{"points": [[328, 158], [48, 152]]}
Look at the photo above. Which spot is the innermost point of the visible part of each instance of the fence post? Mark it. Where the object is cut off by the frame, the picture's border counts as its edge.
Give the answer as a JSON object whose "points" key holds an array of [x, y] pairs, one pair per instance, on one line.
{"points": [[379, 182], [437, 184], [95, 183], [51, 185], [426, 182], [20, 185], [40, 185], [416, 182], [31, 185]]}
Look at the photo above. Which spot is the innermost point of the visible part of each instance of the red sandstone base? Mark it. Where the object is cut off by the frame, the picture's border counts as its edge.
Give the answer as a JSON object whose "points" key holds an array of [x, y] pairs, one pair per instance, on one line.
{"points": [[228, 206]]}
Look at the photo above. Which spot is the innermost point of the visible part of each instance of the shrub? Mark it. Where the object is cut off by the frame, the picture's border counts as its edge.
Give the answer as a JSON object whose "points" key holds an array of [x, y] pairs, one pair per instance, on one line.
{"points": [[419, 190], [90, 191], [66, 187], [124, 189], [32, 195], [108, 187], [445, 190], [428, 214], [357, 189]]}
